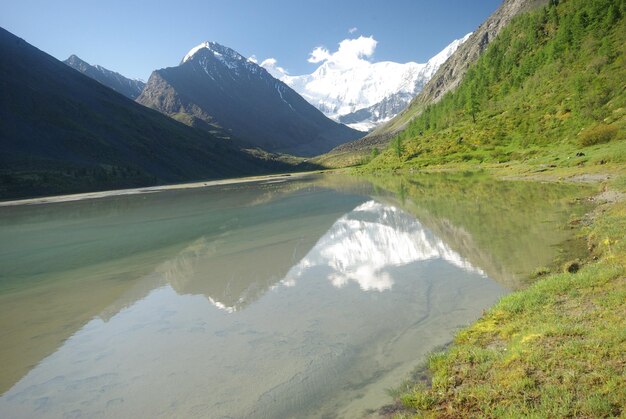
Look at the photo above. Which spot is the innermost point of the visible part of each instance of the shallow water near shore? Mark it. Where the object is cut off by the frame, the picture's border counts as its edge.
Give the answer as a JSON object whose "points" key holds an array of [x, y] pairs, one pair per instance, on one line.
{"points": [[284, 298]]}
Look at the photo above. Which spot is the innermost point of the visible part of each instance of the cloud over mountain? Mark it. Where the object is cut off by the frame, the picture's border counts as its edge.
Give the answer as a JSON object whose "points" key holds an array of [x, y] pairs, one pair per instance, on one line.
{"points": [[351, 87]]}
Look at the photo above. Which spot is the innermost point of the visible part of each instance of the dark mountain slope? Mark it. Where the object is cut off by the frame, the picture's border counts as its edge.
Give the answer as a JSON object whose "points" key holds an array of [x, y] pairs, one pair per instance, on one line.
{"points": [[62, 132], [216, 86], [128, 87]]}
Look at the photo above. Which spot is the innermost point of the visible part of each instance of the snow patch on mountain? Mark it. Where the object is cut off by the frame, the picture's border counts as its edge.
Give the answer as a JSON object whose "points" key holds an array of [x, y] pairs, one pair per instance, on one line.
{"points": [[229, 57], [195, 49], [348, 87]]}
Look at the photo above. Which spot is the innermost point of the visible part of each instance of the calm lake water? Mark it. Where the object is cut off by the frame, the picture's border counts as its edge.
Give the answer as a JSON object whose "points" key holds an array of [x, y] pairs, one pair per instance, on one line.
{"points": [[305, 297]]}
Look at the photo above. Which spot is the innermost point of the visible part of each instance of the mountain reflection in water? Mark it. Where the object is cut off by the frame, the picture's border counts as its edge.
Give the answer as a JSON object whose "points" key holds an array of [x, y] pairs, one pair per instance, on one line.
{"points": [[364, 243], [360, 247], [264, 323], [307, 298]]}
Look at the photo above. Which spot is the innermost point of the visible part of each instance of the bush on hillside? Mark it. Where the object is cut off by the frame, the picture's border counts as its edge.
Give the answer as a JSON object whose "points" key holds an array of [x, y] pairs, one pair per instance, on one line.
{"points": [[597, 134]]}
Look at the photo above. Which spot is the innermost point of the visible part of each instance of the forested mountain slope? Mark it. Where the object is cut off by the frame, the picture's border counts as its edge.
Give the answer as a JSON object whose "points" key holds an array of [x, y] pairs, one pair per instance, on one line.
{"points": [[446, 79], [551, 85]]}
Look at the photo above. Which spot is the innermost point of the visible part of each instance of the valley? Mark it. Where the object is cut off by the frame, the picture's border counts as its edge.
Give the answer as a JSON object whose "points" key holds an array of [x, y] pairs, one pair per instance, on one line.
{"points": [[360, 236]]}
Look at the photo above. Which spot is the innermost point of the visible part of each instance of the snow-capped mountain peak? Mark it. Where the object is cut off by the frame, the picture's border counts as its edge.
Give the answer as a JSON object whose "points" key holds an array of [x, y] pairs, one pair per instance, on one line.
{"points": [[351, 89], [193, 51], [216, 88], [219, 51]]}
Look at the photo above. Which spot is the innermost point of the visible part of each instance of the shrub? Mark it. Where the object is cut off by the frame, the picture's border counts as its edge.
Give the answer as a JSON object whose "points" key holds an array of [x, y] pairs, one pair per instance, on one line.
{"points": [[597, 134]]}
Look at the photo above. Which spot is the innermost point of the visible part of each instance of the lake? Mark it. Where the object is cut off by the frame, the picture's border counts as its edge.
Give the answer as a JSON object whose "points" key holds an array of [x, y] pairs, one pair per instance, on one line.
{"points": [[310, 296]]}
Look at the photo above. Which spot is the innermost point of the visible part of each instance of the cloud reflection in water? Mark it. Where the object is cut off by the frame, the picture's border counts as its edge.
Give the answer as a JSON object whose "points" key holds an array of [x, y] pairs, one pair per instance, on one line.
{"points": [[365, 242]]}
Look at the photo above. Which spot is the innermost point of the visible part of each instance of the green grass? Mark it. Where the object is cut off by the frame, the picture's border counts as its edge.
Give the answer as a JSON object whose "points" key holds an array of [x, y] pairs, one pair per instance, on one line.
{"points": [[555, 349], [545, 102], [550, 86]]}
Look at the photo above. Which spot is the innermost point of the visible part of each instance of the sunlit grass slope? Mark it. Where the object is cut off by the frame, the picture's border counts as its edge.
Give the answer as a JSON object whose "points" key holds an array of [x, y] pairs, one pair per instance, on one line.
{"points": [[553, 84]]}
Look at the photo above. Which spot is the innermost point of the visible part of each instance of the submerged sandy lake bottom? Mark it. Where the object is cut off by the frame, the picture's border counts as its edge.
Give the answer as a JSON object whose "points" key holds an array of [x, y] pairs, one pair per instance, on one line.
{"points": [[309, 297]]}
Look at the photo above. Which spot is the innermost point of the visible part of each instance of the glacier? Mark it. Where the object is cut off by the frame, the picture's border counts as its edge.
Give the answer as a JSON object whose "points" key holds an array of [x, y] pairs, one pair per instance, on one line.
{"points": [[360, 93]]}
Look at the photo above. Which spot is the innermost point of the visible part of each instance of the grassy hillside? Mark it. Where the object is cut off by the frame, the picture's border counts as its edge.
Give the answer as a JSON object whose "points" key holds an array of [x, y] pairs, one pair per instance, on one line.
{"points": [[547, 97], [550, 86]]}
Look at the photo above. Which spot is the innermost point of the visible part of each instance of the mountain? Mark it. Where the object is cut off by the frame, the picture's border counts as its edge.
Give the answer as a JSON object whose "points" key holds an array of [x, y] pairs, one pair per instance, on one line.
{"points": [[548, 90], [450, 75], [446, 78], [362, 244], [216, 86], [128, 87], [546, 101], [364, 94], [63, 132]]}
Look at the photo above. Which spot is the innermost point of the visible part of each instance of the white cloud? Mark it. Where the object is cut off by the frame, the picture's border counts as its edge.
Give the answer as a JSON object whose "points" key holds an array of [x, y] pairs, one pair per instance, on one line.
{"points": [[253, 59], [353, 29], [270, 64], [349, 54], [318, 55]]}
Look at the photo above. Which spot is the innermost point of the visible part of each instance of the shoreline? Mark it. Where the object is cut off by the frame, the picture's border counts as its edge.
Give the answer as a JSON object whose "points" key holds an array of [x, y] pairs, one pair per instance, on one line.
{"points": [[553, 328], [154, 189]]}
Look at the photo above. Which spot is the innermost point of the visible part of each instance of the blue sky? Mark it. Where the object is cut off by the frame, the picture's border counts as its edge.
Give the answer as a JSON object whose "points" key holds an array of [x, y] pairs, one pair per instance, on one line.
{"points": [[135, 37]]}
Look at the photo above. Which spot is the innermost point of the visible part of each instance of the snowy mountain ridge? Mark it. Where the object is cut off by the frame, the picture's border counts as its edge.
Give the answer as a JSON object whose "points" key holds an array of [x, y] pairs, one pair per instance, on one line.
{"points": [[349, 88]]}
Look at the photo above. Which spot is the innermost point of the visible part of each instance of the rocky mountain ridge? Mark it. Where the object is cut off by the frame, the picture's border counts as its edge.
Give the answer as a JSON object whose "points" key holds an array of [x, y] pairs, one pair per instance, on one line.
{"points": [[128, 87], [214, 87], [63, 132]]}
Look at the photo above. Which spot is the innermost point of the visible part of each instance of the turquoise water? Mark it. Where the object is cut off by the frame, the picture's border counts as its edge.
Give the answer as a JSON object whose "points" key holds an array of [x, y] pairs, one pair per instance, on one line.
{"points": [[305, 297]]}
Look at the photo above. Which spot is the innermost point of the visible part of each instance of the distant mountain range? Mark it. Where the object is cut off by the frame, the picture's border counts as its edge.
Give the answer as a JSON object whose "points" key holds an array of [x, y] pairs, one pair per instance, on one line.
{"points": [[128, 87], [214, 87], [63, 132], [217, 89], [364, 94]]}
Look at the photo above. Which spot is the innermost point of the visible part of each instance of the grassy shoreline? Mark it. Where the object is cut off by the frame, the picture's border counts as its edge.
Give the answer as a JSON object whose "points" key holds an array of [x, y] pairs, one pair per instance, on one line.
{"points": [[545, 102], [553, 349]]}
